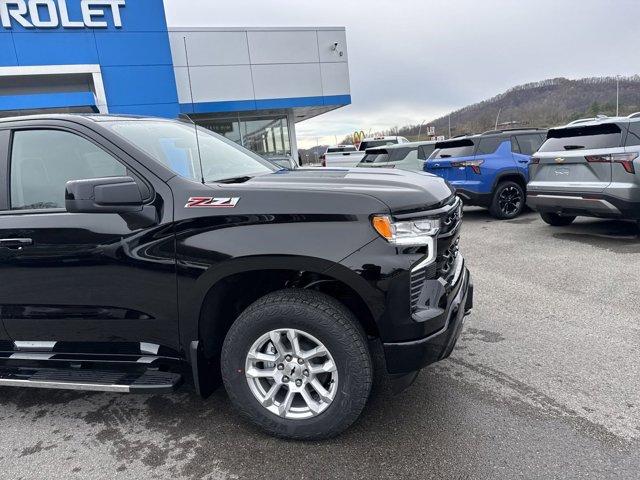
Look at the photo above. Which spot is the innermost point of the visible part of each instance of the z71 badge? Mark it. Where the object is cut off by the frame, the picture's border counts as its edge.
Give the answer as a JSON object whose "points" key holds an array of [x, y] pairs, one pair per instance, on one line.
{"points": [[212, 202]]}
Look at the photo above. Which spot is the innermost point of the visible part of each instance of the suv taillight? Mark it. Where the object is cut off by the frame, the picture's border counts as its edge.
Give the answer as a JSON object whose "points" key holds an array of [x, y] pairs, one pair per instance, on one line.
{"points": [[624, 159], [534, 161], [474, 164]]}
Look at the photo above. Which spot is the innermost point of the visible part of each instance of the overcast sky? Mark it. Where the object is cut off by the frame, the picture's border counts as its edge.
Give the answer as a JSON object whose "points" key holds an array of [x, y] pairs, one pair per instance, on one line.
{"points": [[415, 60]]}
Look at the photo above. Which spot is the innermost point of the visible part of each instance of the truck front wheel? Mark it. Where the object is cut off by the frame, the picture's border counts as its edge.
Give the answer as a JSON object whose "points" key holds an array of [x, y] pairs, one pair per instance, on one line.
{"points": [[296, 364]]}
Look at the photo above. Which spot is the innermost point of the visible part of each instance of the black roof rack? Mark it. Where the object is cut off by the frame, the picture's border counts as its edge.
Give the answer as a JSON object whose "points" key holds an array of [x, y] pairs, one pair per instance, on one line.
{"points": [[504, 130]]}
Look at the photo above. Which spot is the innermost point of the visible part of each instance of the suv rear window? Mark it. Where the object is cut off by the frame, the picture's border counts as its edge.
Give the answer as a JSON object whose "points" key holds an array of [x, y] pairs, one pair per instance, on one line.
{"points": [[376, 143], [376, 156], [387, 155], [607, 135], [454, 148]]}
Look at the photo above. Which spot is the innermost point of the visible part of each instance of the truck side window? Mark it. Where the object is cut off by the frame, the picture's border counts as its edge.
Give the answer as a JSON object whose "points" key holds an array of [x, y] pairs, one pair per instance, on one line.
{"points": [[43, 161]]}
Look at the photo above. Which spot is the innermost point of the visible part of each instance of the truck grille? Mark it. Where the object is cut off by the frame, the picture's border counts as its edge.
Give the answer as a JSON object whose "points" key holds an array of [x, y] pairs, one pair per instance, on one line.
{"points": [[447, 246], [447, 259], [451, 219], [416, 282]]}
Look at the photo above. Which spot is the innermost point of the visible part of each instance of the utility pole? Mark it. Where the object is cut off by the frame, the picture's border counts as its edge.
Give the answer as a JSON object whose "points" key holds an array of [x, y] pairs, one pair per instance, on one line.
{"points": [[617, 95], [498, 117], [449, 125], [420, 129]]}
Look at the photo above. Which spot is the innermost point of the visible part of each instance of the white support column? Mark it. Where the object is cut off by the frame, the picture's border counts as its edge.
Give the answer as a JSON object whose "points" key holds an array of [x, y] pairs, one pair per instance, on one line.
{"points": [[292, 135], [99, 92]]}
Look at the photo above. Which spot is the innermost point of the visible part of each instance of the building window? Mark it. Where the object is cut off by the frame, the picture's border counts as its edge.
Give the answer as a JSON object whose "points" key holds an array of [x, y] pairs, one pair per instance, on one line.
{"points": [[266, 136], [227, 127]]}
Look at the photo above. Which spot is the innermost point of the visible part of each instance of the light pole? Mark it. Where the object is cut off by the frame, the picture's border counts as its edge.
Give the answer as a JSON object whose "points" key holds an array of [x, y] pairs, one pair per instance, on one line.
{"points": [[617, 95], [449, 125], [498, 117], [420, 129]]}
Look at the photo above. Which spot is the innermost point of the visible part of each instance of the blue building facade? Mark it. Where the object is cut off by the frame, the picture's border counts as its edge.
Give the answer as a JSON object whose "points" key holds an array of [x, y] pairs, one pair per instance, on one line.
{"points": [[134, 59], [120, 56]]}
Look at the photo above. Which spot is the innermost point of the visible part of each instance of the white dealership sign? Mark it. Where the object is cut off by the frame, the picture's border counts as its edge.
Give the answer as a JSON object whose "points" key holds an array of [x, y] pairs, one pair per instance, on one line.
{"points": [[54, 13]]}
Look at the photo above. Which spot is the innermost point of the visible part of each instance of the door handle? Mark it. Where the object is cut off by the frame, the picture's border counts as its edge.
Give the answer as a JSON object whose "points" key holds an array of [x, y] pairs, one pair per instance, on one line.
{"points": [[15, 242]]}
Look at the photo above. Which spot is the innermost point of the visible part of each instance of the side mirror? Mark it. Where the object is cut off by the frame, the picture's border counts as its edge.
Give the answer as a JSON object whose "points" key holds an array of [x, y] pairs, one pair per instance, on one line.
{"points": [[103, 195]]}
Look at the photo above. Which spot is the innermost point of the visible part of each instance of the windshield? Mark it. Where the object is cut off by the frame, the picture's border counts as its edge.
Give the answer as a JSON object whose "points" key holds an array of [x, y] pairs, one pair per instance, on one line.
{"points": [[453, 148], [173, 144], [606, 135]]}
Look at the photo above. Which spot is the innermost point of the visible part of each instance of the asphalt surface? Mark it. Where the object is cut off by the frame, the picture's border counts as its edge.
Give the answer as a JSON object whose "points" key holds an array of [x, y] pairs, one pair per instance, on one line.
{"points": [[544, 383]]}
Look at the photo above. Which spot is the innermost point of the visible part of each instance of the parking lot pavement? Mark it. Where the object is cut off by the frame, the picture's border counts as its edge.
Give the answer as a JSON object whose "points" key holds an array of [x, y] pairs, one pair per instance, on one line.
{"points": [[545, 383]]}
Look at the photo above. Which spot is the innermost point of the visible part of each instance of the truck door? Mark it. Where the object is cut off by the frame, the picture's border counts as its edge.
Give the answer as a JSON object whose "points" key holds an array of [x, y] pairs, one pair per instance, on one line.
{"points": [[86, 277], [5, 340]]}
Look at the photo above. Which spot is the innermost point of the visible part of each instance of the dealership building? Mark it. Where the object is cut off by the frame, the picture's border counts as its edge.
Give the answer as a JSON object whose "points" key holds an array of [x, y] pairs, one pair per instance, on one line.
{"points": [[119, 56]]}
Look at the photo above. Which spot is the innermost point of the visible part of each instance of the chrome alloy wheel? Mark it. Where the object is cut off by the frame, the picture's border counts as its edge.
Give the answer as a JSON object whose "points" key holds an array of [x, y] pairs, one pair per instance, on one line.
{"points": [[291, 373]]}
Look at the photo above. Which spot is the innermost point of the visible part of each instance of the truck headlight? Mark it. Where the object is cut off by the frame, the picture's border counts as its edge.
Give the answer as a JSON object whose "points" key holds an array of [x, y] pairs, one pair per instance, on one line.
{"points": [[406, 233]]}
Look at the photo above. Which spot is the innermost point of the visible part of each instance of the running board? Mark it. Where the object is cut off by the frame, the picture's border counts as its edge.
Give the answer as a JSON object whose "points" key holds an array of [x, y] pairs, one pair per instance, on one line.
{"points": [[150, 381]]}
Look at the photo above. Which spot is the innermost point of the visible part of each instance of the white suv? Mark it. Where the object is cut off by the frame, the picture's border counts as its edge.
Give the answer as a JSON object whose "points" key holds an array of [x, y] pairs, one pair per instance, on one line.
{"points": [[348, 156], [587, 168]]}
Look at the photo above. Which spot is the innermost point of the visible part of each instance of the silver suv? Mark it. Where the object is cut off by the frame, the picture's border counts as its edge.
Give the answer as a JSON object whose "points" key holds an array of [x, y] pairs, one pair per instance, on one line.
{"points": [[588, 168]]}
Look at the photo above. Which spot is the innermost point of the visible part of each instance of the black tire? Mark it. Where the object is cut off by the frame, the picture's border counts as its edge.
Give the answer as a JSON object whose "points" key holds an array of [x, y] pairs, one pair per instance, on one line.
{"points": [[557, 220], [328, 321], [508, 200]]}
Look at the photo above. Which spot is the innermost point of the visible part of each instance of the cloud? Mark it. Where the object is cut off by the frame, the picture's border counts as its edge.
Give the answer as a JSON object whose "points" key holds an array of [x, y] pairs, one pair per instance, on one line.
{"points": [[412, 60]]}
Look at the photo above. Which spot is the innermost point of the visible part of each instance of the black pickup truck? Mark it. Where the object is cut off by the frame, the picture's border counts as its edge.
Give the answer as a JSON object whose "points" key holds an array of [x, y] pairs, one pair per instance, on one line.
{"points": [[137, 251]]}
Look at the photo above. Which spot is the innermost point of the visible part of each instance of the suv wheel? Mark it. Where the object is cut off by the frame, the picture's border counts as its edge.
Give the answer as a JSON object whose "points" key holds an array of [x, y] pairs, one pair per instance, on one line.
{"points": [[557, 220], [508, 201], [296, 364]]}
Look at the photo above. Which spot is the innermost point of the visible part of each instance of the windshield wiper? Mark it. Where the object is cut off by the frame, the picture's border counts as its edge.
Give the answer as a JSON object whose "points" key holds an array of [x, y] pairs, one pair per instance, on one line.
{"points": [[573, 147], [242, 179]]}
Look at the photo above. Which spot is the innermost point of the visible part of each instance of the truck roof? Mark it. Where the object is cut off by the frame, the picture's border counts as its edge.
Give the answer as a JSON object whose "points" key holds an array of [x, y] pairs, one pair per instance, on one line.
{"points": [[397, 146], [78, 117]]}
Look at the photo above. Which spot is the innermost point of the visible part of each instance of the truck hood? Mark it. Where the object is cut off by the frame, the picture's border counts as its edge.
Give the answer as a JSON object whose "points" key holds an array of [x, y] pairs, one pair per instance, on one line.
{"points": [[401, 190]]}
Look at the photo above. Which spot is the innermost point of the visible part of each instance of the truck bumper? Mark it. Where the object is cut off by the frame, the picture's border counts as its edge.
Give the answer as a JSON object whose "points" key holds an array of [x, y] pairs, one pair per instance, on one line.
{"points": [[405, 359]]}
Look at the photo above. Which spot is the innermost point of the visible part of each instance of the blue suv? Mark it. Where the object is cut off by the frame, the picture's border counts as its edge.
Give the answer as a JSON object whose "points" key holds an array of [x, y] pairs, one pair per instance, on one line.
{"points": [[490, 170]]}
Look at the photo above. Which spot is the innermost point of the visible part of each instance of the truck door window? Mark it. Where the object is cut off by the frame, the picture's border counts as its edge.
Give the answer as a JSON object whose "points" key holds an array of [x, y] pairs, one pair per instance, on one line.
{"points": [[43, 161]]}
